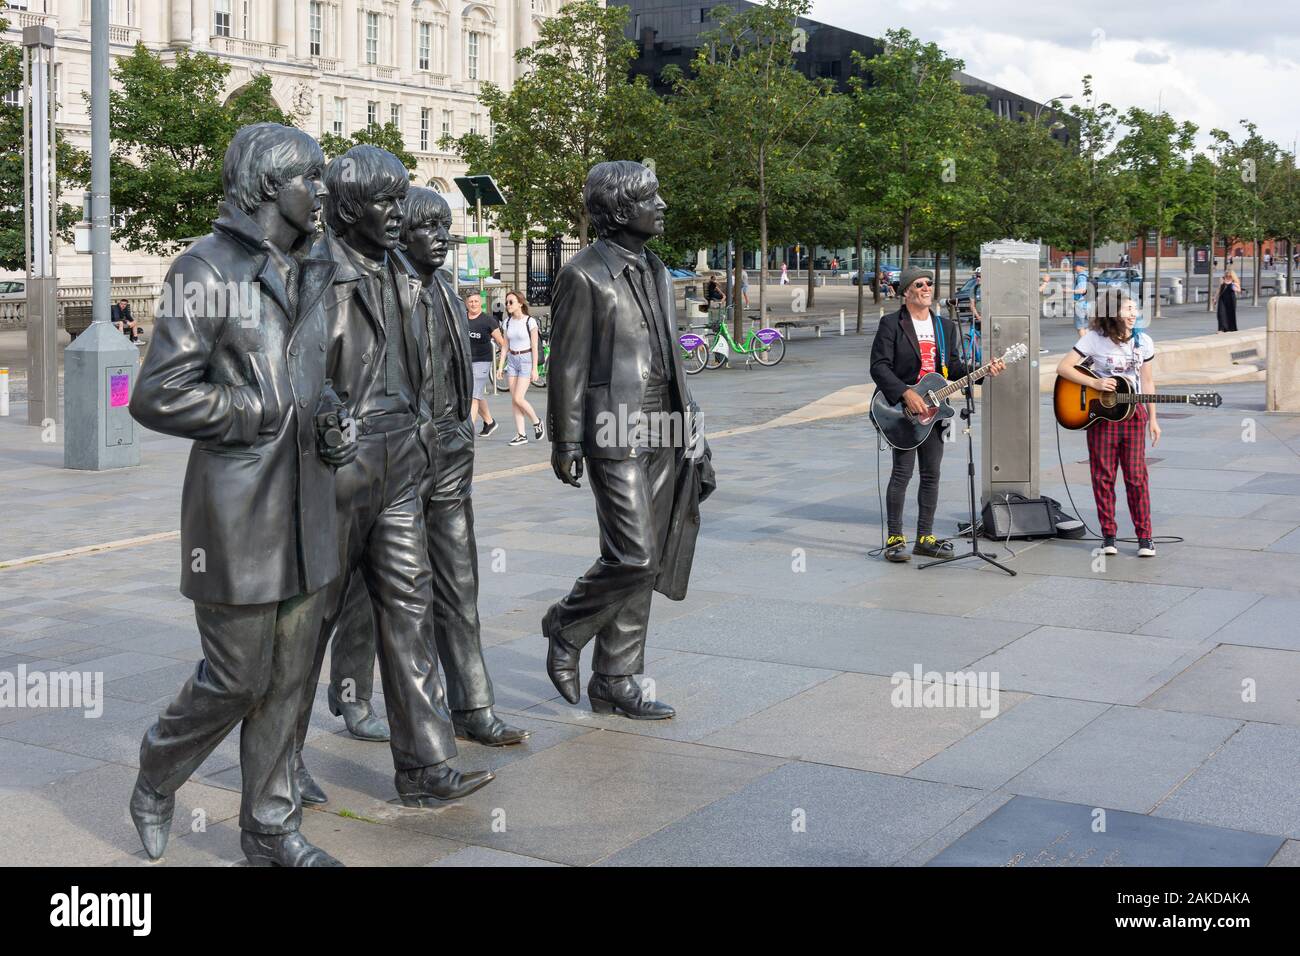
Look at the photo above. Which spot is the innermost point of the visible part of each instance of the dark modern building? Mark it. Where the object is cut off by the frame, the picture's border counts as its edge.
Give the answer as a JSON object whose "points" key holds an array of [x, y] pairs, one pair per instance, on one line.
{"points": [[668, 32]]}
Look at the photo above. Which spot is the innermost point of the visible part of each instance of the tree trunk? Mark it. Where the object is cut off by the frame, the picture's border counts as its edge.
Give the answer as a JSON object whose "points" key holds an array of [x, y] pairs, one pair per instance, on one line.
{"points": [[862, 276], [938, 271], [907, 239], [876, 251], [812, 290], [1187, 270], [525, 291], [1290, 262], [762, 268], [737, 312], [1155, 293], [1209, 281], [582, 229], [1092, 242], [1256, 260], [952, 267]]}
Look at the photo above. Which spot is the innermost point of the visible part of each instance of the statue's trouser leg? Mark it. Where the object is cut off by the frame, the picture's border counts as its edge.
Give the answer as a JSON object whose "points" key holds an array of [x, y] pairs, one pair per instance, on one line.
{"points": [[256, 660], [453, 554], [352, 646], [611, 601], [383, 537]]}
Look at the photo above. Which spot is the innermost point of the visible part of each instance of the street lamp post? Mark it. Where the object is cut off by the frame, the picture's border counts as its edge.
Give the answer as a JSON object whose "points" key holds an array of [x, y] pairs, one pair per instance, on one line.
{"points": [[40, 227], [1038, 111], [100, 366]]}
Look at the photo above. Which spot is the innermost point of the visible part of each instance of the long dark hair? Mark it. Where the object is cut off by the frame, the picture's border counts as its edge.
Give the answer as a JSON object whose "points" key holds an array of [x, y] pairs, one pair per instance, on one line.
{"points": [[523, 303], [1109, 317]]}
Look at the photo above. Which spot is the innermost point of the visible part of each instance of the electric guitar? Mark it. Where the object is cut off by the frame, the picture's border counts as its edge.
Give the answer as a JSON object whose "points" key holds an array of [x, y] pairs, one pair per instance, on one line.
{"points": [[905, 430], [1078, 406]]}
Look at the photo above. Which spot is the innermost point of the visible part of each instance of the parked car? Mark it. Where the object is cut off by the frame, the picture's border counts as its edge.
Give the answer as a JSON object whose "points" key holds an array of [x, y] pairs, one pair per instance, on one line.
{"points": [[13, 291], [890, 270], [964, 294], [1118, 277]]}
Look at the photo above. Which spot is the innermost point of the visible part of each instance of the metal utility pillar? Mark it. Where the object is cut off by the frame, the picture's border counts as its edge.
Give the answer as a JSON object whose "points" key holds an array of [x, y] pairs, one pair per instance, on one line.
{"points": [[1010, 406], [41, 226], [100, 367]]}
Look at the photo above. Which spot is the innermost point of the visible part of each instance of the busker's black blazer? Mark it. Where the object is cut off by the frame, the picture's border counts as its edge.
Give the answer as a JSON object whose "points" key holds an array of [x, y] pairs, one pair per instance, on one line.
{"points": [[896, 354]]}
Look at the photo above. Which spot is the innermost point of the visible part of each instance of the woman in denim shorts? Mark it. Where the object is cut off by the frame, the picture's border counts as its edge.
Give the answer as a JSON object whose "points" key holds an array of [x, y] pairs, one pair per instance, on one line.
{"points": [[520, 360]]}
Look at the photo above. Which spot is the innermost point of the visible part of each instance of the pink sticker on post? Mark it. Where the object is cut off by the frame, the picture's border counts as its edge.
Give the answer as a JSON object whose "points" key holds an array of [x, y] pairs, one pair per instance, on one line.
{"points": [[119, 390]]}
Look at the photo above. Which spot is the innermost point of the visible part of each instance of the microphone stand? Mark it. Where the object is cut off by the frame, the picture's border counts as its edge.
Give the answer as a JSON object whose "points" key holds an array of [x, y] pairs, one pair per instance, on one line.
{"points": [[968, 414]]}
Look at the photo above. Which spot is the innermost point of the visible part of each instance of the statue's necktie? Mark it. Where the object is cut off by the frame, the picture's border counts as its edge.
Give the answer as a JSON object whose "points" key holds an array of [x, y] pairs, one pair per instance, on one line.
{"points": [[291, 288], [392, 332]]}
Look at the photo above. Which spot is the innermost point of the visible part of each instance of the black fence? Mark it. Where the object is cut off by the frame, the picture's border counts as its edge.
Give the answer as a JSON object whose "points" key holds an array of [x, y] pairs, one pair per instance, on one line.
{"points": [[545, 259]]}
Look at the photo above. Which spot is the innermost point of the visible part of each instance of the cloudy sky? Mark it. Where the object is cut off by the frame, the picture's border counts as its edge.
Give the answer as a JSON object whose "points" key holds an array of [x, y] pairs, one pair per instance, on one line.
{"points": [[1212, 63]]}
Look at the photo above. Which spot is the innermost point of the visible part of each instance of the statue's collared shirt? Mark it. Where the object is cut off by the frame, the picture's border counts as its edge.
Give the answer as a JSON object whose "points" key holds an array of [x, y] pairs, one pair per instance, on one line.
{"points": [[390, 390], [443, 402], [644, 286]]}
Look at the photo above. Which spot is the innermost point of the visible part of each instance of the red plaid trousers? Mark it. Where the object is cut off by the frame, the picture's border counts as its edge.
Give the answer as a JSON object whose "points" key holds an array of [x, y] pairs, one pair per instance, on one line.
{"points": [[1115, 445]]}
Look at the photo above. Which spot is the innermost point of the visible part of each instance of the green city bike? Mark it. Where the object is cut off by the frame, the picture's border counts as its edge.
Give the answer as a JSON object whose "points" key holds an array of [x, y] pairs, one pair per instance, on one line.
{"points": [[764, 346]]}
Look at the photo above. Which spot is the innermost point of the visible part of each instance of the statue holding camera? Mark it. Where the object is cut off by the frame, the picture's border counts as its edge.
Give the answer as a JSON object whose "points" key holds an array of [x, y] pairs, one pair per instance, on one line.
{"points": [[244, 376], [379, 357]]}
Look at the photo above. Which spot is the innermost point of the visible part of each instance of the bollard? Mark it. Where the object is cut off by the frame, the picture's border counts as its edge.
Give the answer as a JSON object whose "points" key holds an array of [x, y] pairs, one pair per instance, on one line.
{"points": [[4, 392], [841, 321]]}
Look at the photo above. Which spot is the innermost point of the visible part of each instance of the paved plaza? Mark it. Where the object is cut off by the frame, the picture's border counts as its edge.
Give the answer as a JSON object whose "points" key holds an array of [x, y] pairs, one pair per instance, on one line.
{"points": [[1137, 712]]}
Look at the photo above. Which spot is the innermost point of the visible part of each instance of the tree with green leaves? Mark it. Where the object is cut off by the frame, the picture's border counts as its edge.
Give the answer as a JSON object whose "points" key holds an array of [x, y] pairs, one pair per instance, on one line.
{"points": [[1282, 216], [1211, 201], [72, 166], [1093, 211], [1262, 164], [170, 126], [918, 120], [574, 107], [1153, 153], [389, 137], [761, 130]]}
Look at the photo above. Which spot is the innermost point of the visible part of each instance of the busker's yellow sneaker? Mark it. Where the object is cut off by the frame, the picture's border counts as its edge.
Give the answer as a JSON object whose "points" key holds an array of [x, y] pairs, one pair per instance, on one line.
{"points": [[931, 547], [896, 549]]}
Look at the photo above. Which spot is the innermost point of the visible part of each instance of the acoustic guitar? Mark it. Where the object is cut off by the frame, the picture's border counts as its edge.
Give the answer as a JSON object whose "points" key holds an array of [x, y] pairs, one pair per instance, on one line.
{"points": [[1078, 406], [904, 430]]}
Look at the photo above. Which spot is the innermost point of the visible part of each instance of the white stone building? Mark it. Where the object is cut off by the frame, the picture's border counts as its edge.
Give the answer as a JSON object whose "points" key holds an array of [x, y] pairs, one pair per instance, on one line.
{"points": [[339, 64]]}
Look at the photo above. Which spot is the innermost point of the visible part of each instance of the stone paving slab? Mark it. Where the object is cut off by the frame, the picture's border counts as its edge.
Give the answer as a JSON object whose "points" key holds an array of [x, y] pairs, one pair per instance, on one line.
{"points": [[1031, 832], [1248, 683], [850, 721], [1250, 784], [1129, 758], [1002, 748], [806, 815]]}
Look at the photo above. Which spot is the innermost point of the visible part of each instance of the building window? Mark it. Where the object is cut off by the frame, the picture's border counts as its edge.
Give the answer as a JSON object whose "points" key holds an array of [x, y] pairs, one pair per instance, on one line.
{"points": [[446, 122], [340, 110], [473, 123], [426, 38], [221, 18], [395, 115], [314, 24], [372, 38], [372, 113], [247, 17], [424, 129], [471, 58], [13, 97]]}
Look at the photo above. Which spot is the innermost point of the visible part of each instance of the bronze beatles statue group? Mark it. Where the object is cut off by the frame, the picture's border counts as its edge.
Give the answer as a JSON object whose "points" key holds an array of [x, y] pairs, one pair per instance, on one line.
{"points": [[327, 499]]}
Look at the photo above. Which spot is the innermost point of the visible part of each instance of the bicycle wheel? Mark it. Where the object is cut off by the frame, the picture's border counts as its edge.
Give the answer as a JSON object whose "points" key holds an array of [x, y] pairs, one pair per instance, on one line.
{"points": [[695, 360], [768, 353]]}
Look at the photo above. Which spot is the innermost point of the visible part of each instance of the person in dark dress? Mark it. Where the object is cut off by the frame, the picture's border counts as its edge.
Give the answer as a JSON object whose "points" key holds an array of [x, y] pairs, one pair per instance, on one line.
{"points": [[1227, 309]]}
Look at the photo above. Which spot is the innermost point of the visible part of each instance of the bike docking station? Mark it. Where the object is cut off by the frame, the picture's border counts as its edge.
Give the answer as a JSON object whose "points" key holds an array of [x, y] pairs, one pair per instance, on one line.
{"points": [[1010, 441]]}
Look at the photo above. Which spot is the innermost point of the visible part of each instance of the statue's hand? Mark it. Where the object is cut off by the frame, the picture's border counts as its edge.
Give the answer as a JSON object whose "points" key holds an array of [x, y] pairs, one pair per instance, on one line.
{"points": [[566, 462]]}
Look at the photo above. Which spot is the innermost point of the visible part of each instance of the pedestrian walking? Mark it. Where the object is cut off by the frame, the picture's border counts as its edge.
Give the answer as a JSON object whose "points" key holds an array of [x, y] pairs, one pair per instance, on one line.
{"points": [[520, 360], [744, 287], [484, 330], [1226, 309], [785, 274], [1080, 292]]}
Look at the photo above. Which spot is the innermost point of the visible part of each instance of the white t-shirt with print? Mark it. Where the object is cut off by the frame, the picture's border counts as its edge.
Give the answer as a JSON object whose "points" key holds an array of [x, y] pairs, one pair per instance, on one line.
{"points": [[925, 339], [1112, 360]]}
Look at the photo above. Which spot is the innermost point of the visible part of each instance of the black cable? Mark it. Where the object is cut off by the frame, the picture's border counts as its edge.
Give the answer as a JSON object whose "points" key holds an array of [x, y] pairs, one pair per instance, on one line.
{"points": [[880, 501], [1161, 539]]}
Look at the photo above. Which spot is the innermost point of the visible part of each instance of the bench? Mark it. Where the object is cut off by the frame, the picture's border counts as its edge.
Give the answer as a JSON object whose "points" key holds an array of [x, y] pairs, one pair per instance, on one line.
{"points": [[785, 325], [76, 319]]}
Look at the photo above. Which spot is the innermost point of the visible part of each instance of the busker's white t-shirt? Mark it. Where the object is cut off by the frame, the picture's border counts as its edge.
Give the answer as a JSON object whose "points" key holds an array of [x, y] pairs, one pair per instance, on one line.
{"points": [[925, 339], [1116, 360]]}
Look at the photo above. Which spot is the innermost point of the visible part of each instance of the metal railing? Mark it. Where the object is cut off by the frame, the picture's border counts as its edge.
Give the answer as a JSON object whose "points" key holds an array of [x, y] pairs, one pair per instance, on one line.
{"points": [[252, 48], [141, 297]]}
